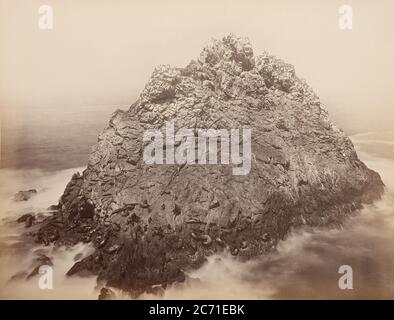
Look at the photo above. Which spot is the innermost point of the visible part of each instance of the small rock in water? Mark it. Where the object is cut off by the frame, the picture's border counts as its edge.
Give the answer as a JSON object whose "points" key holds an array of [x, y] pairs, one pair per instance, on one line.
{"points": [[41, 260], [78, 256], [53, 207], [29, 221], [106, 294], [24, 195], [24, 217], [27, 218]]}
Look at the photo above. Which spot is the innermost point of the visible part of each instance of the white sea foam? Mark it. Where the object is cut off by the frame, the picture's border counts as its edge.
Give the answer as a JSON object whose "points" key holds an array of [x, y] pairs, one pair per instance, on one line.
{"points": [[15, 258]]}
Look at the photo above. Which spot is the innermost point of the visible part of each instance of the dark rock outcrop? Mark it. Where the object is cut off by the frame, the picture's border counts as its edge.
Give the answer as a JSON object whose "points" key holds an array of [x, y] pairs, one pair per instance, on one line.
{"points": [[106, 294], [151, 222], [27, 218], [24, 195], [39, 261]]}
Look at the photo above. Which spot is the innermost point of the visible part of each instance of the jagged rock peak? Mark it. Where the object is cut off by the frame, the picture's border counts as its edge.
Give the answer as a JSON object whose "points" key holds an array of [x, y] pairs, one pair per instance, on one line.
{"points": [[226, 76], [229, 48]]}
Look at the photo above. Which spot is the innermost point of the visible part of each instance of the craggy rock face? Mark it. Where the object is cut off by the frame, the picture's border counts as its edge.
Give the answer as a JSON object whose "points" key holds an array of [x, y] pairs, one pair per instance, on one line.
{"points": [[150, 222]]}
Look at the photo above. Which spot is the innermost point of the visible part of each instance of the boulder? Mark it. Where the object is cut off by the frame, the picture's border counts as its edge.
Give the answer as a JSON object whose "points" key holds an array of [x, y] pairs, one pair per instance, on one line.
{"points": [[25, 217], [24, 195], [149, 222], [106, 294], [39, 261]]}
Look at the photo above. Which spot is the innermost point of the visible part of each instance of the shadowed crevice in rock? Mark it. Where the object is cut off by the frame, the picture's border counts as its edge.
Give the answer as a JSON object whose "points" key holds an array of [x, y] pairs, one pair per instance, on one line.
{"points": [[150, 223]]}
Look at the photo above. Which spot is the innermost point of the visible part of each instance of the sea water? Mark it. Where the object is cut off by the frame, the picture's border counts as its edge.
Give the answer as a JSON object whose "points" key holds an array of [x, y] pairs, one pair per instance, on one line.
{"points": [[305, 265]]}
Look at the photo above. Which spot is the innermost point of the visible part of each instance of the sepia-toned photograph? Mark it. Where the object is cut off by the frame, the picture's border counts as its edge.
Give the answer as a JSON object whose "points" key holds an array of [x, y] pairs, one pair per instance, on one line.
{"points": [[196, 150]]}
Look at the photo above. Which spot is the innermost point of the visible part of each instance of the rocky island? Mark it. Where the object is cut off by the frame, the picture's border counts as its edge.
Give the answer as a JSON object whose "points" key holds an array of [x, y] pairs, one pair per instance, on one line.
{"points": [[150, 223]]}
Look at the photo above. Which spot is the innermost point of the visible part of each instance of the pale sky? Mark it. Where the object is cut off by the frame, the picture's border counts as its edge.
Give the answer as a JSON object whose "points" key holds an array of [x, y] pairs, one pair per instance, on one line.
{"points": [[101, 52]]}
